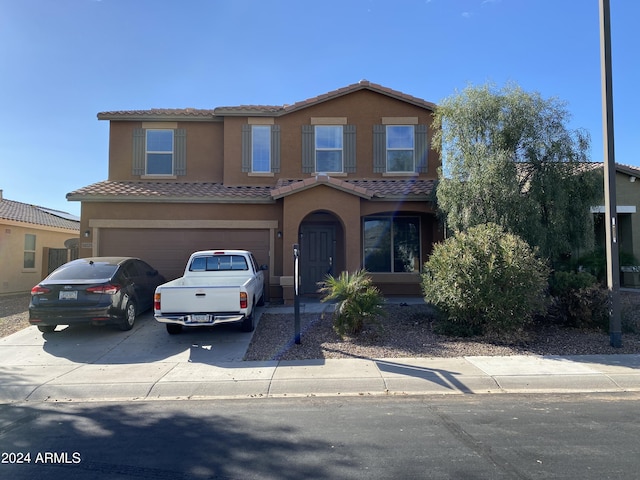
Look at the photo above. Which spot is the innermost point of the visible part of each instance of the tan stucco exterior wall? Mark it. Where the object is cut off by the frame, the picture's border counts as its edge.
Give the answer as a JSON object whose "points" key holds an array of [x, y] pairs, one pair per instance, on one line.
{"points": [[365, 108], [14, 277], [204, 151]]}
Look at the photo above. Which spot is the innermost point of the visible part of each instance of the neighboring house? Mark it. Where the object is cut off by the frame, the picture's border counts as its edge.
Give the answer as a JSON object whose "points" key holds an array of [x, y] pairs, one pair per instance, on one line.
{"points": [[33, 242], [628, 216], [348, 175]]}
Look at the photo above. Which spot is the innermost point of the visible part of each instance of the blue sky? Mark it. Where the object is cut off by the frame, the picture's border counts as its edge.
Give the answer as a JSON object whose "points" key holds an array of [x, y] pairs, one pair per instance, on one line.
{"points": [[63, 61]]}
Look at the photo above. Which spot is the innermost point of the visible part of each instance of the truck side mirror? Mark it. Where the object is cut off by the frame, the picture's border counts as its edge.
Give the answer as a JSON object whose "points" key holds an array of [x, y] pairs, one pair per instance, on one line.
{"points": [[264, 267]]}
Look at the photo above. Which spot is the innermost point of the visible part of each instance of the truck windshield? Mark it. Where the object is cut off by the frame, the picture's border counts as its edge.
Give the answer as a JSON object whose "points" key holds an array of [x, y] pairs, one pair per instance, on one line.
{"points": [[218, 263]]}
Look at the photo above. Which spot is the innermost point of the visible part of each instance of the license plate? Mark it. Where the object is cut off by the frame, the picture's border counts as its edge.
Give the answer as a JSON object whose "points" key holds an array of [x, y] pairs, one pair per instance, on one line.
{"points": [[68, 295], [200, 318]]}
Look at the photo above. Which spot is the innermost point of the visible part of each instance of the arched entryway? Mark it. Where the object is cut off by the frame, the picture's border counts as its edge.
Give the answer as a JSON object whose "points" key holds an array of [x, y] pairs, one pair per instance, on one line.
{"points": [[321, 238]]}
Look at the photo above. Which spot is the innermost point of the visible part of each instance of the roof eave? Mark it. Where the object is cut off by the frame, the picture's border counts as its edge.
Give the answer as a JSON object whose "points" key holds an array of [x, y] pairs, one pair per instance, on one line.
{"points": [[134, 199], [145, 117]]}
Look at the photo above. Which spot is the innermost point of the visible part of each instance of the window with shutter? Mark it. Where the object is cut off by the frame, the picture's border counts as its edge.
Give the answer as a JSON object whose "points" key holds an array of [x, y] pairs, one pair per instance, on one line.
{"points": [[400, 148], [261, 148], [329, 143], [159, 152]]}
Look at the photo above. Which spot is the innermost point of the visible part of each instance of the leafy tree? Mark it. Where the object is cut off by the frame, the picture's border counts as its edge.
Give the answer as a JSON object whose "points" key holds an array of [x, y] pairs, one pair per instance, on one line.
{"points": [[509, 158]]}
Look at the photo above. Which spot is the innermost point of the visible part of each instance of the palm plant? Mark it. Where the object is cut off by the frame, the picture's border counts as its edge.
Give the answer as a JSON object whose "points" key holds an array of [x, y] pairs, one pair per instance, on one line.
{"points": [[357, 301]]}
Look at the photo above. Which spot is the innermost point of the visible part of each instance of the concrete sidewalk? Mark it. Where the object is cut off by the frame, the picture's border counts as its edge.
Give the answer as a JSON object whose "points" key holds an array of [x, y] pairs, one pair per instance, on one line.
{"points": [[408, 376], [29, 372]]}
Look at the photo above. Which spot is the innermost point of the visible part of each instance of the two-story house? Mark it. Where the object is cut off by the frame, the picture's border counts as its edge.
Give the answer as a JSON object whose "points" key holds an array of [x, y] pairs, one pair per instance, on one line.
{"points": [[349, 176]]}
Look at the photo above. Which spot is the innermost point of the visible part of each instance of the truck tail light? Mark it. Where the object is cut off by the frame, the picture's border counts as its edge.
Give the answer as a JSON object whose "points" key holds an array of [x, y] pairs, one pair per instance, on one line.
{"points": [[243, 300], [156, 301]]}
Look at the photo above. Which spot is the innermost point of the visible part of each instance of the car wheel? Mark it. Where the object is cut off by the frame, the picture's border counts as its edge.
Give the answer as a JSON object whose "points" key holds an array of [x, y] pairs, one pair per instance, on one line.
{"points": [[129, 316], [174, 328], [47, 328], [248, 324]]}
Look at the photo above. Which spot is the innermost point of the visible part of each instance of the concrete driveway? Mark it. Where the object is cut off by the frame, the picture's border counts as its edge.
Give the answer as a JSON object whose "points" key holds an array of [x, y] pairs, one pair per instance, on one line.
{"points": [[147, 342]]}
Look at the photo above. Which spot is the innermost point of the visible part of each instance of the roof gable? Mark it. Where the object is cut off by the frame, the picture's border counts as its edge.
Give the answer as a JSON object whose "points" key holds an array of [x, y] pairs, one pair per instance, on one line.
{"points": [[307, 183], [286, 109]]}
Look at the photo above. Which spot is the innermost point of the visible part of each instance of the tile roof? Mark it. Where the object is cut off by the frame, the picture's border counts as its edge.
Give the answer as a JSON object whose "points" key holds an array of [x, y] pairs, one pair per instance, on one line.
{"points": [[35, 215], [259, 110], [411, 188], [176, 191], [628, 169], [164, 113], [131, 191]]}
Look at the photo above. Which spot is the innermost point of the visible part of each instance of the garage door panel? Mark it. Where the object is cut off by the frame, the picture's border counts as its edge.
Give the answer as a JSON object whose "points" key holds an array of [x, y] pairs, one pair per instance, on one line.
{"points": [[168, 250]]}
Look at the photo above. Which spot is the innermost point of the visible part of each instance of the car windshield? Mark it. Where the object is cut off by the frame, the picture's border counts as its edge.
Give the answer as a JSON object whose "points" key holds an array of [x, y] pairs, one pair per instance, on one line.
{"points": [[84, 270]]}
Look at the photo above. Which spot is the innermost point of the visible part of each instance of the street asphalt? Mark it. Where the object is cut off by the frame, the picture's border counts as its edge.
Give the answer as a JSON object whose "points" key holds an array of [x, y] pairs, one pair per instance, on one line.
{"points": [[104, 364]]}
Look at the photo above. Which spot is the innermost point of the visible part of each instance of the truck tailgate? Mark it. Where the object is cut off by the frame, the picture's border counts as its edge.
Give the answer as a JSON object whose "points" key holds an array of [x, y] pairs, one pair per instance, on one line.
{"points": [[186, 299]]}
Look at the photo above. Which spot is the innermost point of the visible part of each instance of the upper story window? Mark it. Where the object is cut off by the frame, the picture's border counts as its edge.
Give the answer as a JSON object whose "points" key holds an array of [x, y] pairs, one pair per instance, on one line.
{"points": [[261, 148], [328, 148], [29, 251], [400, 148], [159, 152]]}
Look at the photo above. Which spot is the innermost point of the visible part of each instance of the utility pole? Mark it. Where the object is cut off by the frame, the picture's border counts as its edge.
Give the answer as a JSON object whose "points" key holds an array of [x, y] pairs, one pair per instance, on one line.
{"points": [[611, 219]]}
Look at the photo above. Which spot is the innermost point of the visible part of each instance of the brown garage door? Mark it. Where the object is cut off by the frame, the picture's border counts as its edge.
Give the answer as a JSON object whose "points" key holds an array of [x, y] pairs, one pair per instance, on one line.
{"points": [[168, 249]]}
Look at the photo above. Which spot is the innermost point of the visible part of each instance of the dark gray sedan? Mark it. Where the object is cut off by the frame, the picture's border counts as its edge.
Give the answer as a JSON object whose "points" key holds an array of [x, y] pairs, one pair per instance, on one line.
{"points": [[94, 290]]}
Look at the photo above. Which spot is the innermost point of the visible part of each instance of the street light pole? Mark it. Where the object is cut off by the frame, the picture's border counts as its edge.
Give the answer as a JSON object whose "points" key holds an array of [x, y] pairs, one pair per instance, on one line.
{"points": [[611, 223]]}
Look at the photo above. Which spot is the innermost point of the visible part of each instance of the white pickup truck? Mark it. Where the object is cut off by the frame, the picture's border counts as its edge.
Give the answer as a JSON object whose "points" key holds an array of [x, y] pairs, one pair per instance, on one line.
{"points": [[218, 286]]}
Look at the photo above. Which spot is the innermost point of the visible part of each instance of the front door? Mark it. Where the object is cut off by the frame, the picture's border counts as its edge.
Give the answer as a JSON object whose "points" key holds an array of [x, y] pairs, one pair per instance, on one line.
{"points": [[317, 254]]}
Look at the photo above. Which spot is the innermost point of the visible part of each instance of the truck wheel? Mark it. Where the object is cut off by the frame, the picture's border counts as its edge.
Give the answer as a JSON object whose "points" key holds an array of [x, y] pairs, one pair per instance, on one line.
{"points": [[174, 328], [247, 324], [129, 318], [46, 328]]}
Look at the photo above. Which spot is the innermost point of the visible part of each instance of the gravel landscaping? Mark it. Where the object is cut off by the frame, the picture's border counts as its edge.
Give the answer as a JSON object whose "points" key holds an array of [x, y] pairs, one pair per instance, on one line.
{"points": [[14, 314], [407, 331]]}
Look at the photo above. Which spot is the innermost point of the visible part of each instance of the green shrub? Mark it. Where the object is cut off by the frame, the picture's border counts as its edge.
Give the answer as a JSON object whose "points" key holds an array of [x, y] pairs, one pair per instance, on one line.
{"points": [[595, 262], [579, 300], [563, 282], [485, 280], [357, 301], [630, 313]]}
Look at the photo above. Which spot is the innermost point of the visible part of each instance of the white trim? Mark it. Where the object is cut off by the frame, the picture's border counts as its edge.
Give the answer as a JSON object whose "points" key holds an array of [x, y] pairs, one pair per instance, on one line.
{"points": [[619, 209]]}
